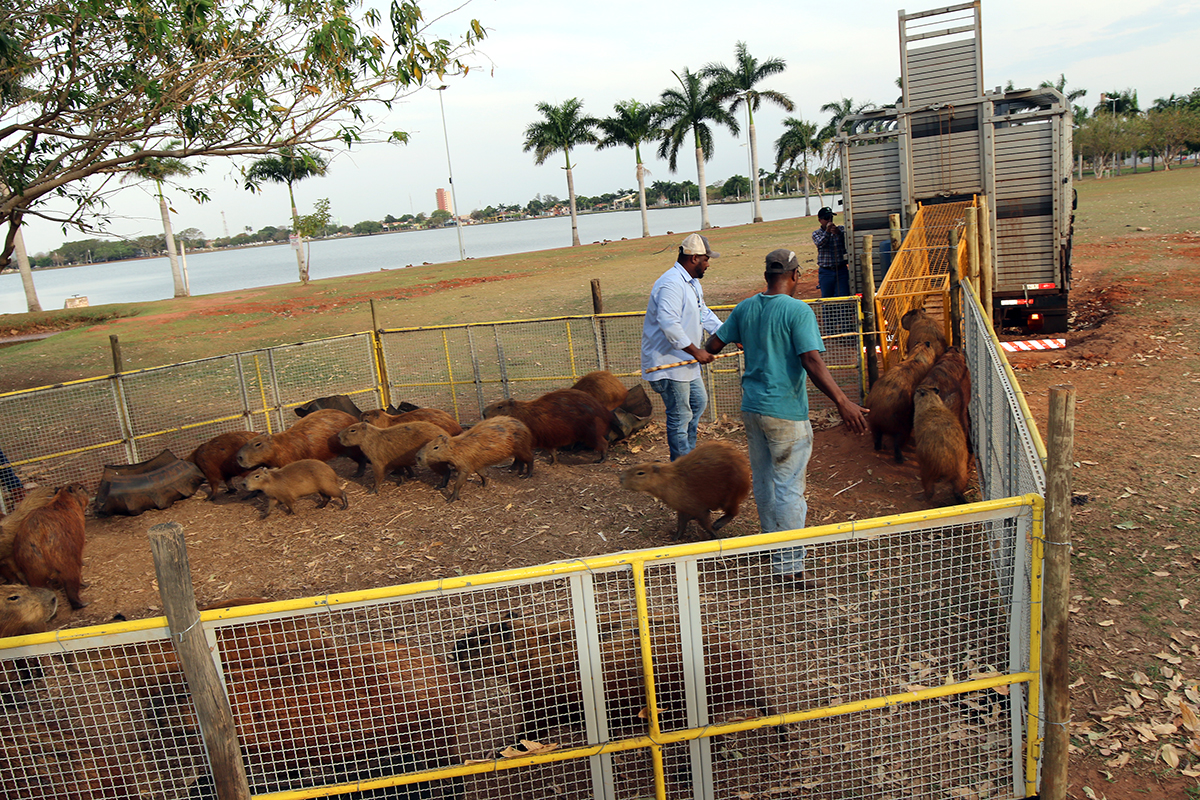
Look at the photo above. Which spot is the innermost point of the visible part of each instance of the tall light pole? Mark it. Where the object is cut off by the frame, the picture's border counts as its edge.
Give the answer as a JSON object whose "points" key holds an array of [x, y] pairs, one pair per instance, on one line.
{"points": [[462, 253]]}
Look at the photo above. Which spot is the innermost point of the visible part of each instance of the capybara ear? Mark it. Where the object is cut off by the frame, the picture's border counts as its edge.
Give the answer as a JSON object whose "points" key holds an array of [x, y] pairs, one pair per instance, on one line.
{"points": [[655, 468]]}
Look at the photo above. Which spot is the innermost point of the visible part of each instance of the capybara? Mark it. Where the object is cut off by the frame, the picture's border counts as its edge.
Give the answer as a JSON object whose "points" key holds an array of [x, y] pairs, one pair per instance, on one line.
{"points": [[390, 448], [217, 459], [486, 443], [291, 481], [48, 539], [891, 398], [941, 444], [559, 419], [340, 402], [313, 436], [540, 663], [716, 475], [952, 379], [382, 419], [604, 386], [25, 609], [923, 328]]}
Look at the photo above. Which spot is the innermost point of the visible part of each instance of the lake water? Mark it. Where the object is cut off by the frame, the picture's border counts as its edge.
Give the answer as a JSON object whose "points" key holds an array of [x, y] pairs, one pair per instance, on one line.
{"points": [[230, 270]]}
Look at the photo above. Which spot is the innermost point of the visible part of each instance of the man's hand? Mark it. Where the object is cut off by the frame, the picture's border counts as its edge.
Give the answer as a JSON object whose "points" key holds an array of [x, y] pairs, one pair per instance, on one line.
{"points": [[702, 356], [854, 416]]}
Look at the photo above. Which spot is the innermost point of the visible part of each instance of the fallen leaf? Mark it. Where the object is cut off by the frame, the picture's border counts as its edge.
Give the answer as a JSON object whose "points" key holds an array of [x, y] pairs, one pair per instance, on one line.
{"points": [[1106, 623], [1127, 526], [1190, 721], [1112, 602], [531, 749], [1161, 573], [1170, 755], [1183, 602]]}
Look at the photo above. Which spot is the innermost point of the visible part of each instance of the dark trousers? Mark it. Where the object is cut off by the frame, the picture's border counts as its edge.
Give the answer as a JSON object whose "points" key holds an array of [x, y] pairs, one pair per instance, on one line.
{"points": [[834, 281]]}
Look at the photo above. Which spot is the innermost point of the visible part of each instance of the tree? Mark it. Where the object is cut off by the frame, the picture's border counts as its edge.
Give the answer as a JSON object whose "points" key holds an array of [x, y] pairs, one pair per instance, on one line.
{"points": [[158, 169], [633, 125], [1061, 86], [838, 111], [563, 127], [91, 88], [314, 224], [291, 165], [735, 186], [796, 143], [738, 84], [1169, 129], [689, 110], [439, 218]]}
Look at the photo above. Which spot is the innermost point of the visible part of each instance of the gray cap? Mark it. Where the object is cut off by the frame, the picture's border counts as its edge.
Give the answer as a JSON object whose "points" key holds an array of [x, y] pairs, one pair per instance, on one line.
{"points": [[697, 245], [781, 261]]}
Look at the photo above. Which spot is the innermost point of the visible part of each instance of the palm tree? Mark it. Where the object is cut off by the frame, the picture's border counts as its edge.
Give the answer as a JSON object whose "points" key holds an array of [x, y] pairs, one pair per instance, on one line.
{"points": [[737, 84], [291, 165], [839, 110], [796, 143], [563, 128], [686, 110], [1061, 86], [633, 124], [158, 170]]}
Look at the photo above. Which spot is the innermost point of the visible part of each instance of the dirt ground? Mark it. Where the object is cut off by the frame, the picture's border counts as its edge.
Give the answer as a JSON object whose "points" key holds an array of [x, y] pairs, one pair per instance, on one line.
{"points": [[1132, 355]]}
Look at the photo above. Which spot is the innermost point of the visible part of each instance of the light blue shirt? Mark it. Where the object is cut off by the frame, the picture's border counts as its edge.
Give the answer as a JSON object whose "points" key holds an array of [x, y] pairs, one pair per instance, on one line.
{"points": [[676, 316]]}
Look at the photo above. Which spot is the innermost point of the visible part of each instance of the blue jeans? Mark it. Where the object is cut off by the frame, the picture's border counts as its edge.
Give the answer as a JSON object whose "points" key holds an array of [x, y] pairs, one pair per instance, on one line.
{"points": [[779, 454], [834, 281], [685, 402]]}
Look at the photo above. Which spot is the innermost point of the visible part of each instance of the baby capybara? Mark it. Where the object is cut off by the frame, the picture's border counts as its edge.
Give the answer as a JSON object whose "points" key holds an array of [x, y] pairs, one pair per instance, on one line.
{"points": [[560, 419], [314, 436], [486, 443], [390, 448], [382, 419], [716, 475], [952, 379], [217, 459], [48, 539], [923, 328], [25, 609], [941, 444], [291, 481], [604, 386], [891, 398]]}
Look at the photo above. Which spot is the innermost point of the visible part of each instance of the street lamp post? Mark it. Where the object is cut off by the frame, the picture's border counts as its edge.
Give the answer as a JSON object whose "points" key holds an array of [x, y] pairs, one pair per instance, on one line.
{"points": [[462, 253]]}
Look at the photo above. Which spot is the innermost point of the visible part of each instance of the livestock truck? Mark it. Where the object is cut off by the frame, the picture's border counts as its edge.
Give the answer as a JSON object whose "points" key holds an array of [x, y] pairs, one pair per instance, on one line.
{"points": [[946, 139]]}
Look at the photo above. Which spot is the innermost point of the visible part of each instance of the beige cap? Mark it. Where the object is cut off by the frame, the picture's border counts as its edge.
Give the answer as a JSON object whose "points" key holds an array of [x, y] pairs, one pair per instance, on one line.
{"points": [[697, 245]]}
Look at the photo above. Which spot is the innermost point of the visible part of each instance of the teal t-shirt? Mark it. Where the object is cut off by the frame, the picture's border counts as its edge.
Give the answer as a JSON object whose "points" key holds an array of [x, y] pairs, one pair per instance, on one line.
{"points": [[774, 329]]}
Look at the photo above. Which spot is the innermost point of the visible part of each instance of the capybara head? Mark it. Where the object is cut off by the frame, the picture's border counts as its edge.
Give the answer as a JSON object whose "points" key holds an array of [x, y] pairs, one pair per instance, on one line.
{"points": [[78, 491], [254, 452], [498, 408], [910, 317], [639, 476], [373, 416], [355, 434], [483, 647], [925, 396], [25, 609], [433, 447], [256, 479]]}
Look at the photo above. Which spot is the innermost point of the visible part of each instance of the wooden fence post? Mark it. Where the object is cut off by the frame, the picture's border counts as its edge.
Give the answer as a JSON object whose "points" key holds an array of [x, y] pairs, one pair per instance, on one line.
{"points": [[894, 233], [597, 300], [986, 271], [212, 706], [114, 344], [955, 296], [972, 234], [1056, 592], [868, 305]]}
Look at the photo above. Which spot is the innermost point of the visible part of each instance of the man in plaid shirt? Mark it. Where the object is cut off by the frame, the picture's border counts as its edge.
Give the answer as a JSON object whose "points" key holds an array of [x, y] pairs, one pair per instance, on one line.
{"points": [[833, 276]]}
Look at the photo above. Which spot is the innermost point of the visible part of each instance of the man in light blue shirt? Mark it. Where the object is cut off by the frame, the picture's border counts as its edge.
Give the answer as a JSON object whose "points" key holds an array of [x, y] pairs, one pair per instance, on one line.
{"points": [[676, 320], [782, 345]]}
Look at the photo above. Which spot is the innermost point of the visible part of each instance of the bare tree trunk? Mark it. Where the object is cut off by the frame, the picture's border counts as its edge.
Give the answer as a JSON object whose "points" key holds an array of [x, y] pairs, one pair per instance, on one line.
{"points": [[641, 176], [704, 223], [807, 207], [31, 299], [301, 261], [755, 194], [571, 199], [169, 235]]}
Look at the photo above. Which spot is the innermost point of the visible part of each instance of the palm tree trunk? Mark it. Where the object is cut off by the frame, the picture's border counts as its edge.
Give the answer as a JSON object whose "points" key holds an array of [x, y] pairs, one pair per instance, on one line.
{"points": [[169, 235], [704, 223], [755, 195], [807, 208], [301, 261], [571, 200], [31, 299], [641, 176]]}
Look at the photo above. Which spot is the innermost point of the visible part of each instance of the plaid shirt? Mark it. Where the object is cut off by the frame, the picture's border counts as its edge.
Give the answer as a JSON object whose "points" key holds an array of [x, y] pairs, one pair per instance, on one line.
{"points": [[831, 247]]}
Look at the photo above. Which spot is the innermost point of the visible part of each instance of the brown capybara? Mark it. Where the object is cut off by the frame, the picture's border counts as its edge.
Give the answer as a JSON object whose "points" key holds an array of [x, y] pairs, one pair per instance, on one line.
{"points": [[382, 419], [941, 444], [716, 475], [891, 398], [559, 419], [291, 481], [604, 386], [390, 448], [217, 459], [952, 379], [923, 328], [486, 443], [538, 660], [48, 539], [313, 436], [25, 609]]}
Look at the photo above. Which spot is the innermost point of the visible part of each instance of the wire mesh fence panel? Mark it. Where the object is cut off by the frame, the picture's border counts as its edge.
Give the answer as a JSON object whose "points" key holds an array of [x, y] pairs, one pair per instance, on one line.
{"points": [[58, 435], [341, 365]]}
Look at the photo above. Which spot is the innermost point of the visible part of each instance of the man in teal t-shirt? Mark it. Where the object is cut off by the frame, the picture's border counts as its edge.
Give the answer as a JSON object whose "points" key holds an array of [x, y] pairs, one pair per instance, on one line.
{"points": [[783, 347]]}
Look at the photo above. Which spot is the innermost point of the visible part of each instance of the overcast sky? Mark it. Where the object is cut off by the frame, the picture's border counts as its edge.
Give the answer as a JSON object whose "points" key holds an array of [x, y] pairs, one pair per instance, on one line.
{"points": [[538, 50]]}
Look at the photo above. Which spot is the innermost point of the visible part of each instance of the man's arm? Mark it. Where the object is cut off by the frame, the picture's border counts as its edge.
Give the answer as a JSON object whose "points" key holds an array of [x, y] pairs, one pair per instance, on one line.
{"points": [[714, 344], [669, 319], [852, 413]]}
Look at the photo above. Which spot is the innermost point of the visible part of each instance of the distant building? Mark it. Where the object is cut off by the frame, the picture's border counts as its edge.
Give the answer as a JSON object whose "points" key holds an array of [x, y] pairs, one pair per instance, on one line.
{"points": [[444, 203]]}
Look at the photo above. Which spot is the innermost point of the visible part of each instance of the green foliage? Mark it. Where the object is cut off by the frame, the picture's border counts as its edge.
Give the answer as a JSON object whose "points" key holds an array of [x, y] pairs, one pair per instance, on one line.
{"points": [[737, 84], [440, 217], [96, 88], [316, 223], [561, 128], [367, 226], [689, 110], [736, 186]]}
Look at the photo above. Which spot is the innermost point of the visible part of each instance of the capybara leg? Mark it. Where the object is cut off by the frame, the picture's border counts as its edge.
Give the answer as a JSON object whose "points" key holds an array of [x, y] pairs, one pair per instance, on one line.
{"points": [[898, 444], [72, 590], [526, 467], [379, 470], [482, 478], [361, 460], [324, 501], [930, 486], [345, 500], [445, 480], [878, 440], [705, 523], [459, 480], [287, 507], [553, 455], [270, 507], [681, 524], [722, 521]]}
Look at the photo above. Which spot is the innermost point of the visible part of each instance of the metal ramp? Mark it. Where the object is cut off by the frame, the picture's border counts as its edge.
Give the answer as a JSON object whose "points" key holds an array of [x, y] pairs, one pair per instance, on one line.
{"points": [[919, 276]]}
